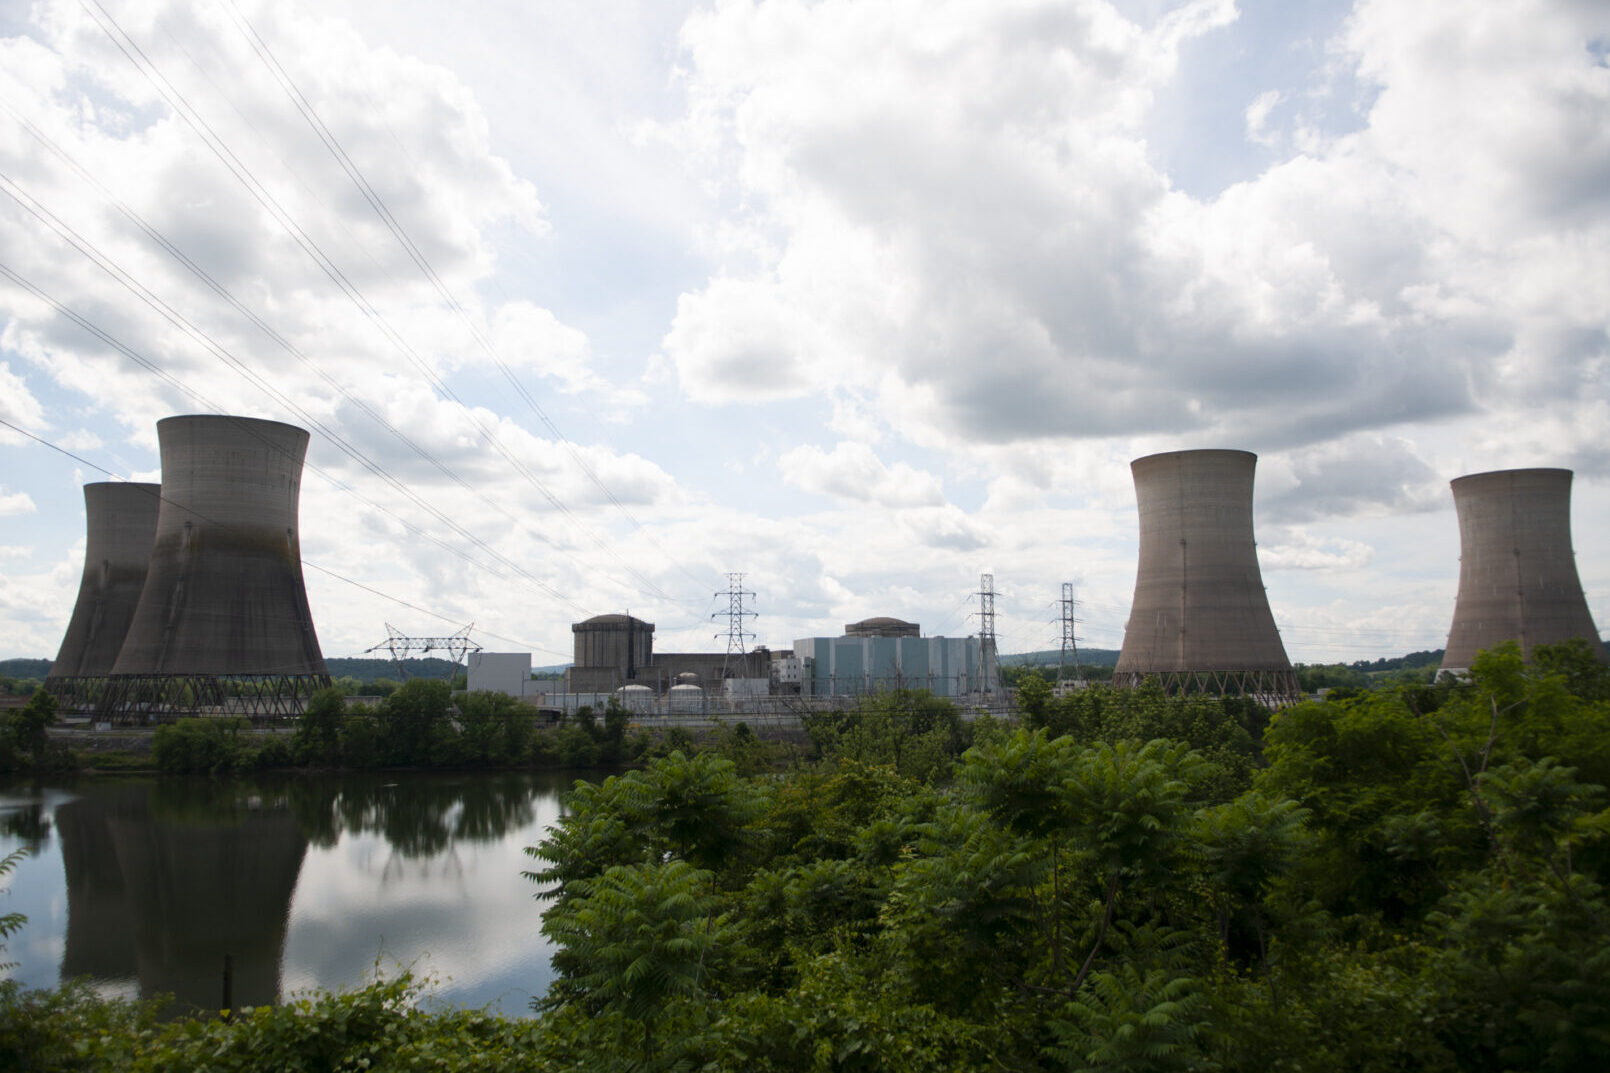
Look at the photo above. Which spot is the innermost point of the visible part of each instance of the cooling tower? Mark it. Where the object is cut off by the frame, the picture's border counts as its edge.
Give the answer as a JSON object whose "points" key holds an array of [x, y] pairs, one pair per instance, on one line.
{"points": [[120, 523], [223, 620], [1517, 573], [1200, 621]]}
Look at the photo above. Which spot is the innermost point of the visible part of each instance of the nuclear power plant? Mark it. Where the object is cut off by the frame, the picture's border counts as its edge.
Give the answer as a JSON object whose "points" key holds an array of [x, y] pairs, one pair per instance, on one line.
{"points": [[1517, 573], [120, 525], [192, 598], [221, 623], [1200, 620]]}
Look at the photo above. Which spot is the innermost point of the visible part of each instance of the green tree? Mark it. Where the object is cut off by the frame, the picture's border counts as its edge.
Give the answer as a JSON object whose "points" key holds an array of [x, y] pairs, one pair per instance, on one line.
{"points": [[318, 731], [643, 936], [414, 721], [26, 729]]}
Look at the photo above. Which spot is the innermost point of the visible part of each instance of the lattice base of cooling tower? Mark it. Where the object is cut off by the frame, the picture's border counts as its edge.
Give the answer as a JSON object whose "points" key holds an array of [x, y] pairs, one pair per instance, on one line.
{"points": [[157, 698], [1273, 689]]}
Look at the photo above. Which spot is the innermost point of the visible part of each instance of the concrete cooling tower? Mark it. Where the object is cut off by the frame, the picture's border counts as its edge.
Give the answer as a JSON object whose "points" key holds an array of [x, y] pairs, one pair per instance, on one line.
{"points": [[222, 622], [1517, 573], [120, 524], [1200, 621]]}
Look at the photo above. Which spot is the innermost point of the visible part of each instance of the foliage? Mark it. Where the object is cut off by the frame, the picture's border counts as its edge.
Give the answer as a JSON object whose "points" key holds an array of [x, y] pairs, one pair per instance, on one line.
{"points": [[10, 923], [377, 1028], [207, 746], [917, 733], [25, 740], [318, 731], [1399, 879]]}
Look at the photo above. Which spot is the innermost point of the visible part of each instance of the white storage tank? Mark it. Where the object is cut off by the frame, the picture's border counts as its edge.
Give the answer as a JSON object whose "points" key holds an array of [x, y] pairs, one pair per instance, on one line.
{"points": [[636, 699], [686, 699]]}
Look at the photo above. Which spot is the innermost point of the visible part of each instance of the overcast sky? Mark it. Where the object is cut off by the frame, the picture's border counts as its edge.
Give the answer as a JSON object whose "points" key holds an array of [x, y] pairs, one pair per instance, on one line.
{"points": [[860, 299]]}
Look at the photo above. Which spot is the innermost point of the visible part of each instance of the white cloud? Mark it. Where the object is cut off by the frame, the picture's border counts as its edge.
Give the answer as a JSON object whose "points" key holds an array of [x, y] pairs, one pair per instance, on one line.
{"points": [[15, 502], [1257, 116], [852, 472], [984, 267]]}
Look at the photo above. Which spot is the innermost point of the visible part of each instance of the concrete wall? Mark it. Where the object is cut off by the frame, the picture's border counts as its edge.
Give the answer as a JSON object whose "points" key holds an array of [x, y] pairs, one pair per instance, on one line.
{"points": [[1517, 573], [120, 527], [1199, 599], [501, 672], [223, 593]]}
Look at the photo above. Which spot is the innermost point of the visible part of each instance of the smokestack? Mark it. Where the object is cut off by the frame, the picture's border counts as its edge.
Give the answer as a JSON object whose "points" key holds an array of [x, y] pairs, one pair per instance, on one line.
{"points": [[120, 523], [1517, 573], [223, 616], [1200, 621]]}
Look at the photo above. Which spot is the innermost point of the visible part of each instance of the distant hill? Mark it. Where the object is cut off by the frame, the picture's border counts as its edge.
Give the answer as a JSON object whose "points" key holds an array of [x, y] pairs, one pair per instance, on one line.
{"points": [[25, 668], [367, 670], [1402, 663], [1093, 657]]}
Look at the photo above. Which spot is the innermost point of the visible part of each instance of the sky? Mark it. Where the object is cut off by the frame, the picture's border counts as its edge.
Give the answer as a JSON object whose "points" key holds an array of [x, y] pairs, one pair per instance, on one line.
{"points": [[591, 306]]}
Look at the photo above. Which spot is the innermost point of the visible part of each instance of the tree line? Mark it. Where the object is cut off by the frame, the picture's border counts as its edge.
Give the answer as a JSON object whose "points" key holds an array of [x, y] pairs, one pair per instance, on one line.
{"points": [[1408, 879]]}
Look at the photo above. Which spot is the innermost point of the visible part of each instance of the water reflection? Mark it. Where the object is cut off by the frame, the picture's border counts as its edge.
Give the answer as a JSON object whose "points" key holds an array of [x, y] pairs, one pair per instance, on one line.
{"points": [[303, 881]]}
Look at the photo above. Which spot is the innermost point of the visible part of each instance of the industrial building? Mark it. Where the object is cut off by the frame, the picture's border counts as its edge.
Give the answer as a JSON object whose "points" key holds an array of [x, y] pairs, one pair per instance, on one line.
{"points": [[612, 651], [221, 622], [879, 654], [1517, 572], [1200, 620], [615, 658], [120, 526]]}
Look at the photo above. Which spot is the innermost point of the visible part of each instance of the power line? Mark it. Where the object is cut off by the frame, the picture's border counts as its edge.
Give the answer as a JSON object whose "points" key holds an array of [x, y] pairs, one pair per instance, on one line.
{"points": [[192, 118], [90, 251], [304, 562], [266, 54], [379, 471]]}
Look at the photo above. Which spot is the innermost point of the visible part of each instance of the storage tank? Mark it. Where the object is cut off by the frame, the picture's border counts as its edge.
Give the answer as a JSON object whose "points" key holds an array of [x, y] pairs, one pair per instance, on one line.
{"points": [[686, 699], [1517, 573], [120, 524], [223, 595], [636, 699], [1200, 620]]}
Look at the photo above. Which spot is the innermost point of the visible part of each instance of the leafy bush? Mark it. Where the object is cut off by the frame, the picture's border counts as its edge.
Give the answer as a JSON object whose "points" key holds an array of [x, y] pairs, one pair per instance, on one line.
{"points": [[209, 746]]}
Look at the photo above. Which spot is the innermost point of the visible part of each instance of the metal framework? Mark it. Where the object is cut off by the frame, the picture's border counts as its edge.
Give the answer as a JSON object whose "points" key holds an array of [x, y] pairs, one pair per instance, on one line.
{"points": [[76, 692], [735, 614], [1070, 646], [988, 657], [458, 647], [1272, 688], [155, 698]]}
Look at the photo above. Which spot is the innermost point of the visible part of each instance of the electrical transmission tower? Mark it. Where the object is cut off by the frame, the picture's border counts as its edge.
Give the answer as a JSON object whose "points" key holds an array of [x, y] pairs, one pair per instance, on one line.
{"points": [[456, 648], [736, 613], [1070, 647], [989, 659]]}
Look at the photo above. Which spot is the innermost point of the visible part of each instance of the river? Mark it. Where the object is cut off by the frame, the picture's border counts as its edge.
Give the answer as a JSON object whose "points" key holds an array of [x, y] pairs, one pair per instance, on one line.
{"points": [[144, 885]]}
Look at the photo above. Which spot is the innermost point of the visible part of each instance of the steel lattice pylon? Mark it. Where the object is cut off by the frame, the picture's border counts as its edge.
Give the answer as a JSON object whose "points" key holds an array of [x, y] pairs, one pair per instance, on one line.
{"points": [[457, 647], [988, 656], [735, 614], [1070, 645]]}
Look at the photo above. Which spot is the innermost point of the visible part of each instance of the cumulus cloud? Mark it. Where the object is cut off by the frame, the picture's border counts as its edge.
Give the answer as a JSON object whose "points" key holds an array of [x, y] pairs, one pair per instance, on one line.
{"points": [[1294, 548], [969, 229], [852, 472], [15, 502], [1356, 475]]}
